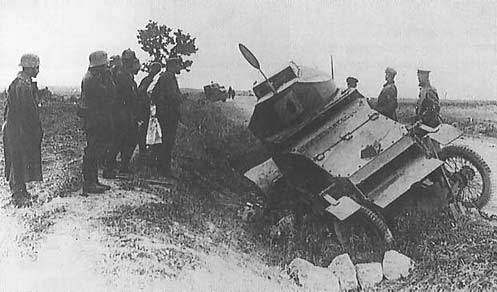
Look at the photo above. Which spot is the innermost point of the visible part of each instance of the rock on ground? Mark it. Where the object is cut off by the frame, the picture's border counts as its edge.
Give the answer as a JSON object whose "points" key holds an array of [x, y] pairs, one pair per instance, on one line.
{"points": [[396, 265], [313, 278], [344, 269], [369, 274]]}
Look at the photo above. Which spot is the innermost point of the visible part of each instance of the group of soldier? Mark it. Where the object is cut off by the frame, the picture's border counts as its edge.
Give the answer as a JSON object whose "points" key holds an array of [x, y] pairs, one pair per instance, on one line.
{"points": [[427, 106], [115, 112]]}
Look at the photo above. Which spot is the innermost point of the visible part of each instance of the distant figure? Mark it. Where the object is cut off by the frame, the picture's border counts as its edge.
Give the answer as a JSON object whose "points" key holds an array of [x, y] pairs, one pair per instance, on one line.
{"points": [[387, 100], [351, 82], [428, 105], [22, 133], [231, 93]]}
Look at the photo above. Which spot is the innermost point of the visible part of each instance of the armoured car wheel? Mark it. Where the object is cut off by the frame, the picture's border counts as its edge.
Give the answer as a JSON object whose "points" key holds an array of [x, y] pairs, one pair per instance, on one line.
{"points": [[371, 221], [462, 160]]}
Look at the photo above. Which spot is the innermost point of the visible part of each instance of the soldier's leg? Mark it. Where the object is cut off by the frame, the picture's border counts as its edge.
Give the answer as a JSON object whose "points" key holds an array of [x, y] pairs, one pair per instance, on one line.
{"points": [[128, 147], [169, 127], [16, 181], [90, 163], [114, 144]]}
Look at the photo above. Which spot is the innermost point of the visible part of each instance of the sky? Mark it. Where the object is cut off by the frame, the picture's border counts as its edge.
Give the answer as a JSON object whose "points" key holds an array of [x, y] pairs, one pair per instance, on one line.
{"points": [[456, 40]]}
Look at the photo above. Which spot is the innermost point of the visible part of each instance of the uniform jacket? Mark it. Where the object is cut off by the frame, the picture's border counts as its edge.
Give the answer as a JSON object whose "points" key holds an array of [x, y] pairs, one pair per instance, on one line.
{"points": [[23, 133], [428, 106], [98, 94], [387, 101], [126, 106], [166, 93]]}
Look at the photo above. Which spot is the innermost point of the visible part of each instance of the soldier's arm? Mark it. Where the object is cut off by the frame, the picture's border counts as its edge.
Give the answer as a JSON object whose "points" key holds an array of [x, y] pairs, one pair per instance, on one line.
{"points": [[24, 111], [157, 90]]}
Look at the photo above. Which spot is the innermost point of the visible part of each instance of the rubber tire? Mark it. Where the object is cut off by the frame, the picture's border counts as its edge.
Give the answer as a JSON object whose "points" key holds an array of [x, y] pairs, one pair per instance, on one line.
{"points": [[477, 161], [375, 220]]}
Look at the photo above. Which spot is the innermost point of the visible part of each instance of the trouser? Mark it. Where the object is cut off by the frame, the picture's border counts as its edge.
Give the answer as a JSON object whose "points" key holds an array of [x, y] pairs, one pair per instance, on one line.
{"points": [[142, 129], [17, 182], [96, 144], [168, 121], [124, 140]]}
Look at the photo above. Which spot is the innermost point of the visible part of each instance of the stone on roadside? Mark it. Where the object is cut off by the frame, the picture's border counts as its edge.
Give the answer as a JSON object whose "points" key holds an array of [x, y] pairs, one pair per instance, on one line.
{"points": [[369, 274], [313, 278], [396, 265], [344, 269]]}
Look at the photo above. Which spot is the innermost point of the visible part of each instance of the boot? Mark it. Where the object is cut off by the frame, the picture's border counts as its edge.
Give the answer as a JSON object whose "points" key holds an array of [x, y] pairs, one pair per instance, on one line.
{"points": [[109, 173], [92, 188], [22, 199], [106, 187]]}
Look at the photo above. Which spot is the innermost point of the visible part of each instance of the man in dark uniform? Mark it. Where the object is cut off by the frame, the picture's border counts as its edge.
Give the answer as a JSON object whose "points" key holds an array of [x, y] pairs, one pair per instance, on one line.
{"points": [[97, 94], [124, 114], [144, 105], [167, 97], [22, 133], [351, 82], [428, 105], [387, 100]]}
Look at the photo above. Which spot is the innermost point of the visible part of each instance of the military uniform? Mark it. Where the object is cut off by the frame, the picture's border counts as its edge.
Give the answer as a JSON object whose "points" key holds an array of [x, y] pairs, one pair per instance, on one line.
{"points": [[167, 97], [144, 110], [22, 136], [97, 93], [428, 106], [124, 115], [387, 101]]}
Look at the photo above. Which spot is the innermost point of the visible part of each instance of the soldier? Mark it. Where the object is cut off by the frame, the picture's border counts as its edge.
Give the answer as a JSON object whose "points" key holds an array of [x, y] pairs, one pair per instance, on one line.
{"points": [[351, 82], [124, 114], [428, 105], [97, 93], [387, 100], [22, 133], [167, 97], [144, 112]]}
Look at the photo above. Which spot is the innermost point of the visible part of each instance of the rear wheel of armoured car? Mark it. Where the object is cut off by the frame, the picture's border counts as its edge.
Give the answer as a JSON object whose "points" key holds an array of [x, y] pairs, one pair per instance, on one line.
{"points": [[364, 223], [463, 162]]}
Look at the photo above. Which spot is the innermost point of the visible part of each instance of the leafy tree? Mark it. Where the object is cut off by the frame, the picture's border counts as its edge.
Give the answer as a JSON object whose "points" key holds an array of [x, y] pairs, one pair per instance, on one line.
{"points": [[160, 42]]}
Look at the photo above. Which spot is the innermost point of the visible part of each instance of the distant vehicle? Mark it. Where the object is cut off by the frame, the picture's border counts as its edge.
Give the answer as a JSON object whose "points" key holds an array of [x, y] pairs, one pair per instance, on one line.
{"points": [[345, 158], [215, 92]]}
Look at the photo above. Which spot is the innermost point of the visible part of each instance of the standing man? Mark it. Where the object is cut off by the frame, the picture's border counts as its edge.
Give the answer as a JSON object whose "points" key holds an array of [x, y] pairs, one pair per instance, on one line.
{"points": [[167, 97], [97, 94], [144, 105], [428, 105], [124, 114], [351, 82], [387, 100], [22, 133]]}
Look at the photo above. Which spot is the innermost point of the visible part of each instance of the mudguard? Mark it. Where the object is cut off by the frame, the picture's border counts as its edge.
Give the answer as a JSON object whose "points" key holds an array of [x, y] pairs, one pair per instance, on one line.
{"points": [[264, 175], [445, 134]]}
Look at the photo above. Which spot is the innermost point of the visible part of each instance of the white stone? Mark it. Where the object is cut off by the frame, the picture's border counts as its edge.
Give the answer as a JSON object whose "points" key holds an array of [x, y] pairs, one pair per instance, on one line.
{"points": [[313, 278], [369, 274], [396, 265], [344, 269]]}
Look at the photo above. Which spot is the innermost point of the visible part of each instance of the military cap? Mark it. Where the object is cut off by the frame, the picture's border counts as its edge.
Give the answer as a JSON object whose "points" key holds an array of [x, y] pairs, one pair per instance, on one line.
{"points": [[29, 60], [128, 55], [351, 80], [423, 71], [391, 70]]}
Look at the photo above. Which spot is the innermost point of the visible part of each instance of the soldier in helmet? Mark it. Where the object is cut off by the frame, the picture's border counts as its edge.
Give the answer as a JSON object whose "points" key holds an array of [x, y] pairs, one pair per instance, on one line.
{"points": [[428, 105], [167, 97], [387, 100], [97, 94], [22, 133], [124, 114]]}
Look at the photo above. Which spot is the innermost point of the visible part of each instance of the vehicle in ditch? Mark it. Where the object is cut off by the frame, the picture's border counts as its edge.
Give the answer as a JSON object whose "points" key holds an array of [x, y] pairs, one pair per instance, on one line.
{"points": [[344, 157]]}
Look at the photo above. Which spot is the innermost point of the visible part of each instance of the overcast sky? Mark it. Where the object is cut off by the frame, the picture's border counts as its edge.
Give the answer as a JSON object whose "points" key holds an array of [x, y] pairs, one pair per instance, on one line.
{"points": [[456, 40]]}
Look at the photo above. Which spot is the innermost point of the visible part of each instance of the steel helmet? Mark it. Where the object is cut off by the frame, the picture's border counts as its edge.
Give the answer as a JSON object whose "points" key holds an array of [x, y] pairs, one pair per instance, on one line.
{"points": [[30, 61], [98, 58]]}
